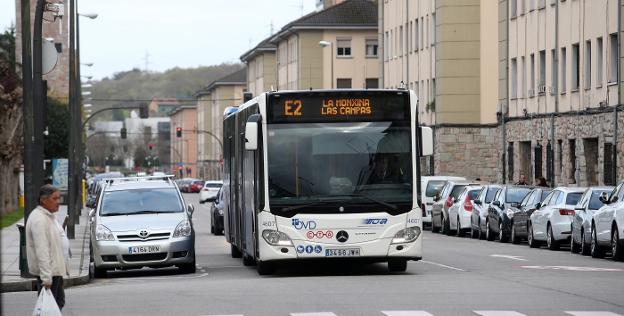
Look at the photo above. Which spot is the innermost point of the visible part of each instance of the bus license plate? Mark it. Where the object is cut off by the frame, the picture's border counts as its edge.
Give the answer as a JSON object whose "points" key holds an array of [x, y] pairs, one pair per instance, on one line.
{"points": [[346, 252], [143, 249]]}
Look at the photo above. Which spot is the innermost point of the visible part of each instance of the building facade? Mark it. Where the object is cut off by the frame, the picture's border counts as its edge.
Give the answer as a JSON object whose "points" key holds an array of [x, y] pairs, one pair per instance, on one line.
{"points": [[447, 52], [563, 88], [160, 107], [333, 48], [211, 103], [184, 149], [261, 71]]}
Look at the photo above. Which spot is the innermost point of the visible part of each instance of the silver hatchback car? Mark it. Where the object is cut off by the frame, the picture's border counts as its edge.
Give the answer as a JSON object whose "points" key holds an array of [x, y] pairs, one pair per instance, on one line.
{"points": [[141, 222]]}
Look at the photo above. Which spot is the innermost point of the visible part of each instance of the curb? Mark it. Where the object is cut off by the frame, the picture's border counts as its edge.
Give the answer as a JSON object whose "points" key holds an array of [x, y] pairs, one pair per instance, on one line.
{"points": [[31, 284]]}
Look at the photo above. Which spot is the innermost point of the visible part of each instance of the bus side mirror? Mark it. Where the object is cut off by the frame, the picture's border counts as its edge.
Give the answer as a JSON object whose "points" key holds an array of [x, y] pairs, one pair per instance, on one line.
{"points": [[251, 132], [426, 141]]}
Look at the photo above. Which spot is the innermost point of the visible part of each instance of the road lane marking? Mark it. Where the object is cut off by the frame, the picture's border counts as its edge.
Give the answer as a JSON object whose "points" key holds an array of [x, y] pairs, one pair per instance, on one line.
{"points": [[313, 314], [406, 313], [570, 268], [519, 258], [442, 265], [575, 313], [498, 313]]}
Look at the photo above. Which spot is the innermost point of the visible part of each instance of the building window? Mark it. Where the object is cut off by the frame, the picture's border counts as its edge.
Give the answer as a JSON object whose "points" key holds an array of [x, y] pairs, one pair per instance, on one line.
{"points": [[560, 155], [417, 91], [426, 30], [607, 169], [514, 84], [372, 83], [575, 67], [572, 161], [386, 45], [532, 83], [538, 160], [587, 76], [421, 33], [343, 83], [410, 43], [401, 40], [613, 57], [433, 28], [599, 78], [433, 89], [553, 70], [343, 48], [541, 4], [416, 40], [371, 48], [522, 93], [510, 161], [563, 67], [542, 75], [514, 8]]}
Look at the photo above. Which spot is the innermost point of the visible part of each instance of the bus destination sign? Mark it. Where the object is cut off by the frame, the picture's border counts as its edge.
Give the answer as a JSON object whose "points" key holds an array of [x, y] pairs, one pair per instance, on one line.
{"points": [[338, 107]]}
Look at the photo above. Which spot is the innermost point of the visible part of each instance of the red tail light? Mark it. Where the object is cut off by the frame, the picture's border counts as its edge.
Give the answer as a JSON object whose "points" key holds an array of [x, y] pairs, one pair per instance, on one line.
{"points": [[449, 202], [566, 212], [467, 204]]}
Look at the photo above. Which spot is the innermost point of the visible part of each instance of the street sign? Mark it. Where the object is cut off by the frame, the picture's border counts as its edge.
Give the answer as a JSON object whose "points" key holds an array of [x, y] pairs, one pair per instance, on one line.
{"points": [[60, 172]]}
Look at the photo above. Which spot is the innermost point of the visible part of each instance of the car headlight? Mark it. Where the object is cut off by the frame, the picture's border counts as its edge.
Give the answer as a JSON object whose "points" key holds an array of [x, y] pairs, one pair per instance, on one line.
{"points": [[220, 211], [183, 229], [276, 238], [406, 235], [103, 233]]}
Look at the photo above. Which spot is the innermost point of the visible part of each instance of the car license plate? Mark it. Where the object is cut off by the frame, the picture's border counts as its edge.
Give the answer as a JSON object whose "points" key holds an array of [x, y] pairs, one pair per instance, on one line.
{"points": [[143, 249], [346, 252]]}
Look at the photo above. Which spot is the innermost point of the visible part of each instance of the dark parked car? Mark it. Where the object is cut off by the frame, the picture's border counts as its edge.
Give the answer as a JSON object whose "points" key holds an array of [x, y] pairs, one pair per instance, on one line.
{"points": [[521, 218], [501, 211], [581, 222], [442, 201], [216, 214], [479, 213]]}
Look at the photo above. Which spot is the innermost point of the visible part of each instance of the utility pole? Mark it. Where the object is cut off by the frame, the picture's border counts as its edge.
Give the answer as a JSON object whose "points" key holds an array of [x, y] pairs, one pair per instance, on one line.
{"points": [[73, 132], [30, 189], [36, 138]]}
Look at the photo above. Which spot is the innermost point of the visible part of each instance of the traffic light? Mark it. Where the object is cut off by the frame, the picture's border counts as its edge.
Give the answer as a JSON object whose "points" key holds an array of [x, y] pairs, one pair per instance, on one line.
{"points": [[143, 111], [124, 133], [178, 132]]}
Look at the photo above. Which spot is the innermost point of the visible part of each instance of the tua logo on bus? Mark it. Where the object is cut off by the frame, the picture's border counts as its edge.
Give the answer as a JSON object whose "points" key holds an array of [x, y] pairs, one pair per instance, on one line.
{"points": [[375, 221], [299, 224]]}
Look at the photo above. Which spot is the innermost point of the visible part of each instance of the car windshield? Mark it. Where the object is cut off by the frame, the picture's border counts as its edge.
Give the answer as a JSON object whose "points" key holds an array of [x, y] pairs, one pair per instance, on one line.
{"points": [[213, 185], [137, 201], [434, 187], [515, 195], [490, 194], [352, 163], [473, 194], [594, 202], [457, 190], [573, 198], [544, 195]]}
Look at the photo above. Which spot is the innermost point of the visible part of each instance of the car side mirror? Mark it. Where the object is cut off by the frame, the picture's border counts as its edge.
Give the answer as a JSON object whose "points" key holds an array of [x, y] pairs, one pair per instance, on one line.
{"points": [[436, 198], [580, 209], [478, 202], [538, 205], [496, 203], [604, 197], [455, 200], [190, 209], [92, 213]]}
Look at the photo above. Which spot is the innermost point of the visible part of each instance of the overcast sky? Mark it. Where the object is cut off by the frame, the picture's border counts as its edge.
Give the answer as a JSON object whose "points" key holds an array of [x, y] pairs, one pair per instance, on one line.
{"points": [[182, 33]]}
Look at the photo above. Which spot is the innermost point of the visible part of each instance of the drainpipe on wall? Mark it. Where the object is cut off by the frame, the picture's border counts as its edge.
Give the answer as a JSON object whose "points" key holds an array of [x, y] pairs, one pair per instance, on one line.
{"points": [[619, 80], [504, 106], [556, 89], [380, 41]]}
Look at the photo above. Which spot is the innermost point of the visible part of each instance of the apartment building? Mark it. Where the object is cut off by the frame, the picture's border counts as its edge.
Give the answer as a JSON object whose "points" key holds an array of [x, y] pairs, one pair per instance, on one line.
{"points": [[447, 51], [160, 107], [333, 48], [562, 86], [184, 149], [261, 71], [211, 102]]}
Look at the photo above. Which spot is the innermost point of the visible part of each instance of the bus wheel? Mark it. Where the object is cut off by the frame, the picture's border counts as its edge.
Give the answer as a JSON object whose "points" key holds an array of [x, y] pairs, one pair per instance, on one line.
{"points": [[397, 265], [234, 251], [265, 268]]}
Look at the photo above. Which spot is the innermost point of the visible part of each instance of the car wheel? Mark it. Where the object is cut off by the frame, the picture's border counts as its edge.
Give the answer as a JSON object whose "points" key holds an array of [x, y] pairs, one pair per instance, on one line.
{"points": [[617, 249], [446, 226], [585, 247], [98, 273], [551, 242], [234, 252], [514, 238], [459, 232], [397, 265], [501, 233], [474, 234], [489, 234], [574, 247], [434, 228], [481, 232], [265, 268], [188, 267], [596, 251], [530, 238]]}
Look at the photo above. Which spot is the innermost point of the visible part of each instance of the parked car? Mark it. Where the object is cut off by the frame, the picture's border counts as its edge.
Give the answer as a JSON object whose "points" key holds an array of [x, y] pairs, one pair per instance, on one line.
{"points": [[196, 186], [580, 240], [430, 186], [216, 214], [442, 202], [479, 213], [608, 225], [461, 211], [502, 210], [141, 222], [210, 191], [528, 205], [185, 184], [552, 221]]}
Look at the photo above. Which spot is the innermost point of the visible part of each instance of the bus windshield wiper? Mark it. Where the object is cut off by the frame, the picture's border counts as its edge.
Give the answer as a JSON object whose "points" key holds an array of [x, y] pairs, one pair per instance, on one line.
{"points": [[132, 213], [296, 207], [386, 204]]}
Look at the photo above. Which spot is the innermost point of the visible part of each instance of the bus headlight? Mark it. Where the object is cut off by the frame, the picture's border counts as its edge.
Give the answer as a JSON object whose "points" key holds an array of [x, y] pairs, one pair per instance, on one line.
{"points": [[406, 235], [276, 238]]}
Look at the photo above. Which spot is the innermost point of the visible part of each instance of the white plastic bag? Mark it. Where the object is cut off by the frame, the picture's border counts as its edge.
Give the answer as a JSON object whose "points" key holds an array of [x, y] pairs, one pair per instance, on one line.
{"points": [[46, 304]]}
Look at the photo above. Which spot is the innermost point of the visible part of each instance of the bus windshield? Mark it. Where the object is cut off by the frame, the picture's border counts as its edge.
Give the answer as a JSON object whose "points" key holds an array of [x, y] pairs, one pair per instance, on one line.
{"points": [[356, 163]]}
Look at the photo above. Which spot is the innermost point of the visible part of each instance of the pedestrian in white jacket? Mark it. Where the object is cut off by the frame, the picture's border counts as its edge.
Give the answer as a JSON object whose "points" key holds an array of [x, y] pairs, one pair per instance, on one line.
{"points": [[44, 244]]}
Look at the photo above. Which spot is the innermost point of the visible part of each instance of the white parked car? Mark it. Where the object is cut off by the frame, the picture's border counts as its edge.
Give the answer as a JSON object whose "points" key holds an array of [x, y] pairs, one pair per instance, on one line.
{"points": [[461, 211], [608, 225], [209, 192], [430, 186], [581, 222], [552, 222]]}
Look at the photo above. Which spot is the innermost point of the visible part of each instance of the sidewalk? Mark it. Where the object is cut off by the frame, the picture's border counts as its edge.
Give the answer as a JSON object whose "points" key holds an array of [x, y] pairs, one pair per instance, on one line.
{"points": [[78, 265]]}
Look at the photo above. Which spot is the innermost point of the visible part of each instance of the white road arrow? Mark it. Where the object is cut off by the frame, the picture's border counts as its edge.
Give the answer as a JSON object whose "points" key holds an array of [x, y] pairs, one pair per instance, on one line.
{"points": [[509, 257]]}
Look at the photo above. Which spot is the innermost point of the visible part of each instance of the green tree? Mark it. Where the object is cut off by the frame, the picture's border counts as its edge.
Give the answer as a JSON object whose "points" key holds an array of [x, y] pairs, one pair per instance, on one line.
{"points": [[57, 141], [7, 46]]}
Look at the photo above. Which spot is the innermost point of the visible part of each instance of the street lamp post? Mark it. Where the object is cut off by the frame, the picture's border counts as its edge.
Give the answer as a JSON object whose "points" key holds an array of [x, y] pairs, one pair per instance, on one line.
{"points": [[330, 45]]}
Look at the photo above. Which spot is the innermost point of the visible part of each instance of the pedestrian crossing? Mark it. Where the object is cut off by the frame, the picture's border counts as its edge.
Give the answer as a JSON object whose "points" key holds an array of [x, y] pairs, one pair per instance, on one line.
{"points": [[479, 312]]}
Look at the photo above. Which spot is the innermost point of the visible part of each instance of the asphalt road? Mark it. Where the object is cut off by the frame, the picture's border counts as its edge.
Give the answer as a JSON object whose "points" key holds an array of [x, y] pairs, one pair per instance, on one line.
{"points": [[458, 276]]}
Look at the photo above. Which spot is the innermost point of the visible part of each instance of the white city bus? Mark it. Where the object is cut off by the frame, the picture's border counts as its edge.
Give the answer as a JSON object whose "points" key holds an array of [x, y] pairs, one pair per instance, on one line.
{"points": [[323, 175]]}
